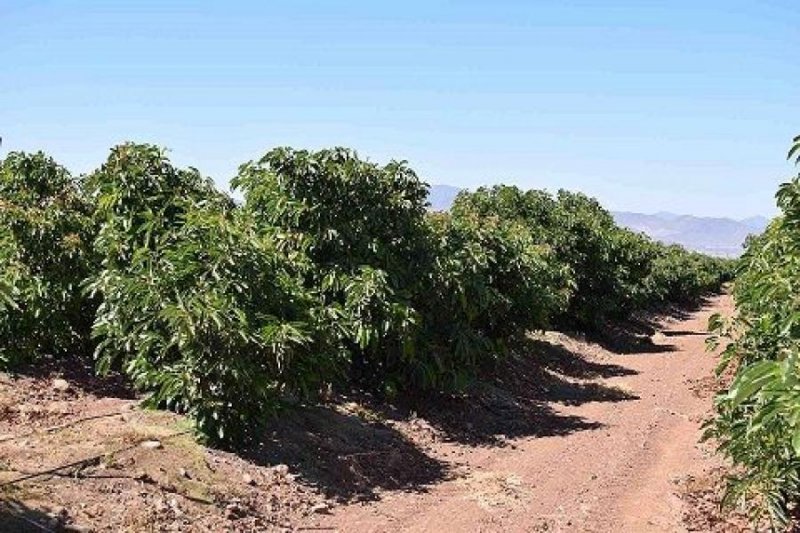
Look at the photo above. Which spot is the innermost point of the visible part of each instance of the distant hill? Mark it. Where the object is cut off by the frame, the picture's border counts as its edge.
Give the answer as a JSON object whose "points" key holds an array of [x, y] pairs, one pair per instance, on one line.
{"points": [[758, 223], [715, 236], [441, 197]]}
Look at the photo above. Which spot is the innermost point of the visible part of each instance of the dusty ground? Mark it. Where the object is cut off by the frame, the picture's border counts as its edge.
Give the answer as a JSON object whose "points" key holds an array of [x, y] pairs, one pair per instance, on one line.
{"points": [[572, 436]]}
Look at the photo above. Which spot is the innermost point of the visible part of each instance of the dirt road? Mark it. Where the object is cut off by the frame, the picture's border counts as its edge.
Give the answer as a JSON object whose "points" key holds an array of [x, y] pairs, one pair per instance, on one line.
{"points": [[618, 470]]}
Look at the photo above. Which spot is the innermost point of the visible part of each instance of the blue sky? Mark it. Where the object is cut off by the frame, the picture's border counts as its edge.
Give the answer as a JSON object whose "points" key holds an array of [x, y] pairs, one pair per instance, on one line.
{"points": [[669, 105]]}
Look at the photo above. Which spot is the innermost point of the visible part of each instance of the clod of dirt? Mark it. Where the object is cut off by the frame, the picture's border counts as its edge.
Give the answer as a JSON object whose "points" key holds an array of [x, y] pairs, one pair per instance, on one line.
{"points": [[658, 338], [61, 385], [142, 476], [248, 480], [234, 511], [165, 484]]}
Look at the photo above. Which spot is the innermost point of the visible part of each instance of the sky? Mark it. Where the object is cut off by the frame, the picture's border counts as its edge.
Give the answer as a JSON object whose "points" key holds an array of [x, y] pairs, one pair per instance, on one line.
{"points": [[683, 106]]}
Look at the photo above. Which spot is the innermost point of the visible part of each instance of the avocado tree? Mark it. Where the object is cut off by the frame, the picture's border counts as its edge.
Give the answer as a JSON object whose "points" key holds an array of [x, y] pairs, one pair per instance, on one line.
{"points": [[45, 254], [197, 307]]}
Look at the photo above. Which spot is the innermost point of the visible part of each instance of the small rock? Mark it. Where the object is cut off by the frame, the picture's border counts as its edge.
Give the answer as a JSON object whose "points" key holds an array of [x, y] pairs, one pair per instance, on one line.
{"points": [[320, 508], [234, 511], [59, 517], [281, 470], [152, 444], [61, 385], [184, 474], [248, 479], [141, 476], [160, 505], [173, 503]]}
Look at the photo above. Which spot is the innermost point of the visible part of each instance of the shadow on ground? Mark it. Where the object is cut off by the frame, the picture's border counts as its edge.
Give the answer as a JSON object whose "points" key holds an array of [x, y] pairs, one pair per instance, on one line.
{"points": [[634, 336], [682, 332], [17, 517], [347, 456], [80, 373], [353, 451], [631, 337], [517, 400], [559, 359], [356, 453]]}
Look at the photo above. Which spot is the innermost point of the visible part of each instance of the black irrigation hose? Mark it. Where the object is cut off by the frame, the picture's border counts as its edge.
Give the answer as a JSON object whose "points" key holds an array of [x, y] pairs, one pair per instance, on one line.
{"points": [[88, 460]]}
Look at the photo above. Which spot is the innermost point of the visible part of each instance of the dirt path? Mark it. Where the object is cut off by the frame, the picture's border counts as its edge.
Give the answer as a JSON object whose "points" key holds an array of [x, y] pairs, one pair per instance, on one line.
{"points": [[618, 473]]}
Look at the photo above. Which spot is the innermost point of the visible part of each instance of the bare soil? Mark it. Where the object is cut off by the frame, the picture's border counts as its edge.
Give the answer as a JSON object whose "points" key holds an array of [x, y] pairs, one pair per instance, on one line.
{"points": [[572, 435]]}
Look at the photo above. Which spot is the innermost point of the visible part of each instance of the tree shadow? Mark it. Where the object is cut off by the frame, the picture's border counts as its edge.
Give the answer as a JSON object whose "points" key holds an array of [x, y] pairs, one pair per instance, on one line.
{"points": [[687, 333], [676, 311], [79, 373], [634, 335], [517, 398], [351, 451], [18, 517], [630, 339], [346, 456], [566, 362]]}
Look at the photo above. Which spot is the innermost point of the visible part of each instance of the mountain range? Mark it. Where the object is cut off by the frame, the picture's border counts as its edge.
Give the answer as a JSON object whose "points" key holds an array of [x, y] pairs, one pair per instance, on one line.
{"points": [[711, 235]]}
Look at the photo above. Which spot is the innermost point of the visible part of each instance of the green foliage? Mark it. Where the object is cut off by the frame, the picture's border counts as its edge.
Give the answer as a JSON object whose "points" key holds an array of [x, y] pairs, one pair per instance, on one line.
{"points": [[45, 254], [417, 302], [679, 276], [332, 271], [506, 283], [490, 283], [197, 307], [362, 227], [613, 270], [758, 417], [794, 151]]}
